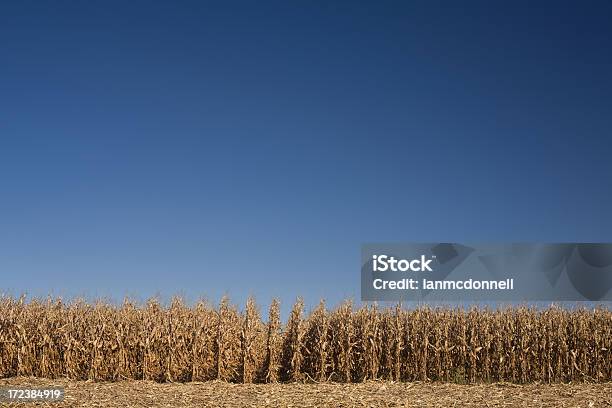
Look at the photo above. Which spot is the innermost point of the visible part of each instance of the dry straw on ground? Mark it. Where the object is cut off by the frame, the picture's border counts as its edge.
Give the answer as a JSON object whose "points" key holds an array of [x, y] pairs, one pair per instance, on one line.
{"points": [[179, 343], [218, 394]]}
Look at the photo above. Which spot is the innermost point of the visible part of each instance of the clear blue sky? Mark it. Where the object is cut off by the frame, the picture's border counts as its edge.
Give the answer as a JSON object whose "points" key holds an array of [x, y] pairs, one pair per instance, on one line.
{"points": [[250, 148]]}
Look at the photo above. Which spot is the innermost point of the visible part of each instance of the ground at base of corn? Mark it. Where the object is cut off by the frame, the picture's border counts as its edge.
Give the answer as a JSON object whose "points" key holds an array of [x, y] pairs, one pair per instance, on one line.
{"points": [[368, 394]]}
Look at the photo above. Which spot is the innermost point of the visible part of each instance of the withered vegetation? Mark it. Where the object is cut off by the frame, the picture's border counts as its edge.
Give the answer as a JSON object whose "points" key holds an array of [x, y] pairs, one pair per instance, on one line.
{"points": [[180, 343]]}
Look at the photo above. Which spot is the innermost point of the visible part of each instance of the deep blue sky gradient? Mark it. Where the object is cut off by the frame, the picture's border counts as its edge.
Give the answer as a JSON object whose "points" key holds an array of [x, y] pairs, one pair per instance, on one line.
{"points": [[246, 148]]}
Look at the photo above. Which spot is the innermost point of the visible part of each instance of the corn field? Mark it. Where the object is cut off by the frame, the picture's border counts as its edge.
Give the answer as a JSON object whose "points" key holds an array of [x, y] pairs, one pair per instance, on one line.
{"points": [[181, 343]]}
